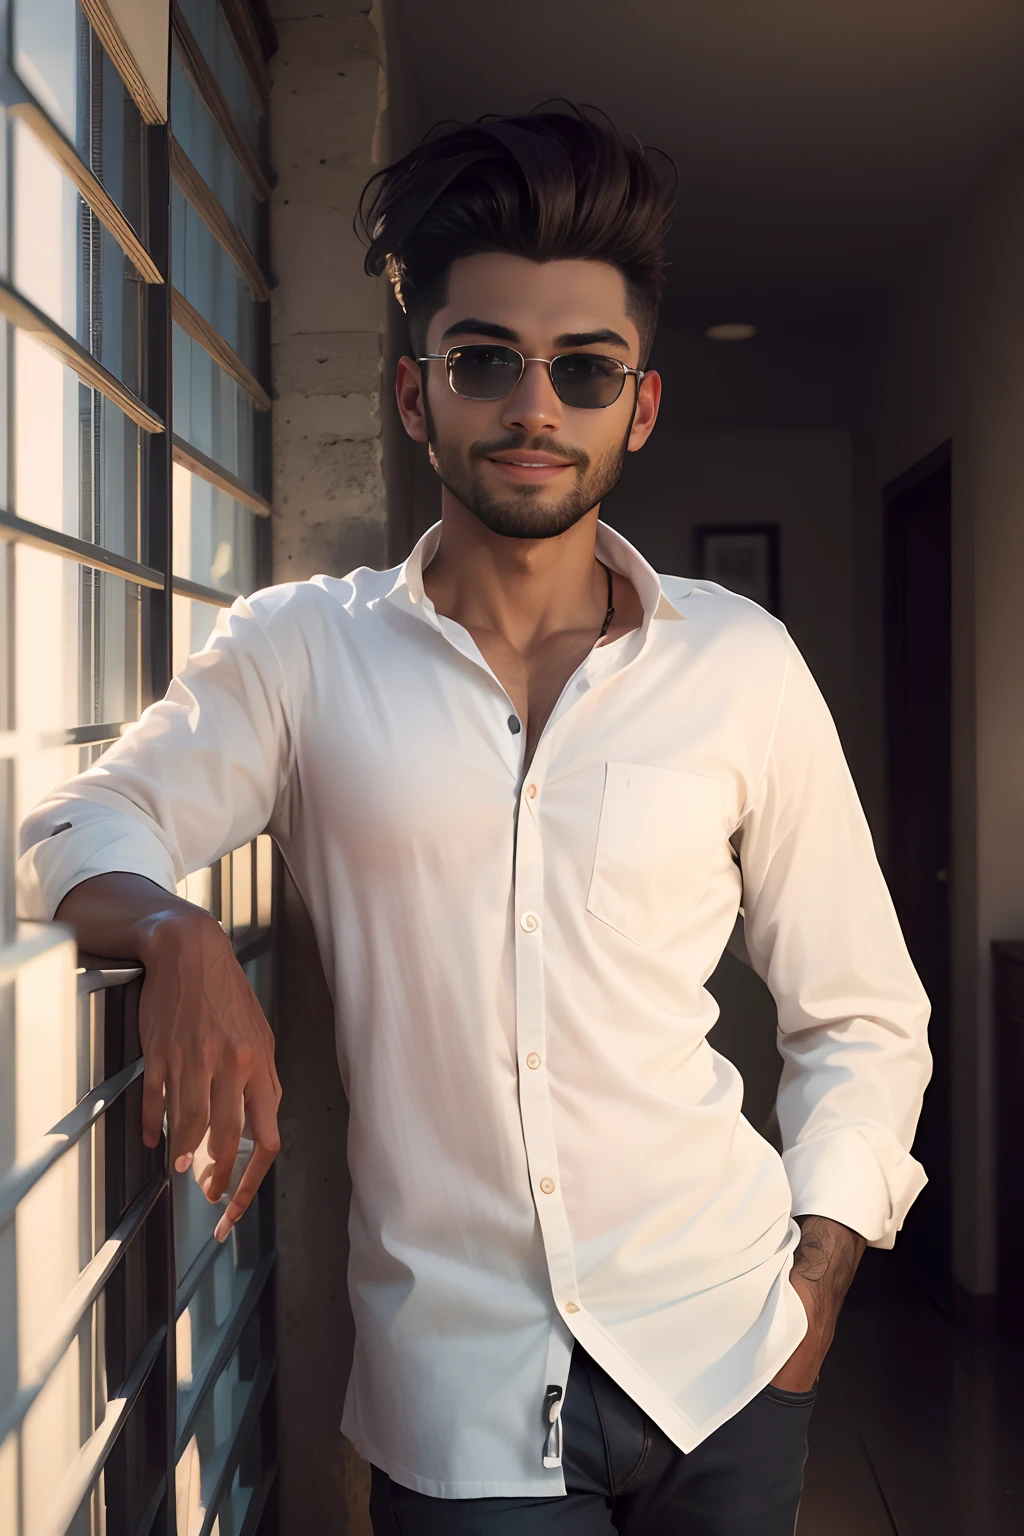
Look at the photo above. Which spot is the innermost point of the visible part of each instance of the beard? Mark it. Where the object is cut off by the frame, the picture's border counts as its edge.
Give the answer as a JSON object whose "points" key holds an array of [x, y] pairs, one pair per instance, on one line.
{"points": [[523, 514]]}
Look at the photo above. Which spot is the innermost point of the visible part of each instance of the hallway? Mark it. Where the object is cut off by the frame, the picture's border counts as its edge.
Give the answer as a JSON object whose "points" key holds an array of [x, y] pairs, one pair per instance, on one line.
{"points": [[918, 1430]]}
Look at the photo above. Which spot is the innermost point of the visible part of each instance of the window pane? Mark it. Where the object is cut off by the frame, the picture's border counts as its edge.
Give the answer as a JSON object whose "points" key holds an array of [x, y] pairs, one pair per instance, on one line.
{"points": [[192, 625], [46, 55], [204, 272], [208, 149], [213, 413], [214, 536], [264, 878], [216, 1297], [118, 160], [78, 459], [241, 889], [201, 1462], [69, 266], [66, 1412], [76, 651], [64, 64], [212, 33]]}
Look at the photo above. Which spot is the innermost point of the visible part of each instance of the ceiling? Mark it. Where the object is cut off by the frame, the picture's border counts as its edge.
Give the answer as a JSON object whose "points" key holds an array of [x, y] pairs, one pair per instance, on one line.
{"points": [[818, 141]]}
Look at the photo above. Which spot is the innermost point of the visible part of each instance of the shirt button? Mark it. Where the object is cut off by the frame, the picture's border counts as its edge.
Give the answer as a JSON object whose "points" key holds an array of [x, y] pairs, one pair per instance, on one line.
{"points": [[531, 790], [533, 1060], [529, 922], [548, 1186], [514, 725], [571, 1306]]}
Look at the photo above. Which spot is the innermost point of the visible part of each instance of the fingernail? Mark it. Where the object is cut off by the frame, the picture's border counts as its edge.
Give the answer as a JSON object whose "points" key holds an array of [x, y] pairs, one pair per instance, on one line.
{"points": [[184, 1162], [222, 1229]]}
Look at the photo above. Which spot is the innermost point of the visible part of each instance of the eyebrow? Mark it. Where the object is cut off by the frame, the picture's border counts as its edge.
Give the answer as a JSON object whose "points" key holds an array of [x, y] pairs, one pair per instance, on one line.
{"points": [[473, 327]]}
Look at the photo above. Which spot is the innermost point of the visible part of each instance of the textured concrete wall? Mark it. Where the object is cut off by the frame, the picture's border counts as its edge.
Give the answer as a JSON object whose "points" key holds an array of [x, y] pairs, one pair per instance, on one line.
{"points": [[327, 115], [327, 316]]}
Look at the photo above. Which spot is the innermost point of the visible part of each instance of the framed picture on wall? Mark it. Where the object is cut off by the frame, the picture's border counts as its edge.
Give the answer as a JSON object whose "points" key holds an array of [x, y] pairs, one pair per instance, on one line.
{"points": [[741, 556]]}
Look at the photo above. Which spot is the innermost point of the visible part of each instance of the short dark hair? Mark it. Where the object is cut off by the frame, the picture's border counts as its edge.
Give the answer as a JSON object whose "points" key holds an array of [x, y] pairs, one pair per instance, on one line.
{"points": [[550, 185]]}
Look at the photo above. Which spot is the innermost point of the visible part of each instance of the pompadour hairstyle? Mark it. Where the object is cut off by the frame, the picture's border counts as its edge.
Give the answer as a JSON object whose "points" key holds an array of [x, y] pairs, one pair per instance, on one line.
{"points": [[550, 185]]}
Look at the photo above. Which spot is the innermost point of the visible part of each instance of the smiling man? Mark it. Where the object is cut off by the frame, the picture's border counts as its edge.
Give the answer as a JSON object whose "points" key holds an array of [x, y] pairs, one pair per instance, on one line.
{"points": [[526, 787]]}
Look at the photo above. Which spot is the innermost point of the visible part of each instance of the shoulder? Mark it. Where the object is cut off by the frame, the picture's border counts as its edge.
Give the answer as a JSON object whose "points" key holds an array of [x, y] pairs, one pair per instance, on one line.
{"points": [[298, 627], [297, 613], [321, 599], [716, 616]]}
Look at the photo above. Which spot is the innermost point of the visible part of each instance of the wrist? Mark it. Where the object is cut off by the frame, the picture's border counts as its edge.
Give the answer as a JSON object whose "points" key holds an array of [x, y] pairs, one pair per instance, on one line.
{"points": [[167, 933]]}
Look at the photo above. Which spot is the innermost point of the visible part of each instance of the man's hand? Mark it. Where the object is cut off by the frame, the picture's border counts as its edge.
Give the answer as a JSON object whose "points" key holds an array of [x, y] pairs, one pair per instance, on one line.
{"points": [[204, 1038], [823, 1266], [209, 1048]]}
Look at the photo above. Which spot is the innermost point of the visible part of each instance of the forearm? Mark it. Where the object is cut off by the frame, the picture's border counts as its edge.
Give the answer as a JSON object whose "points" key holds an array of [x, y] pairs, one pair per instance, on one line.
{"points": [[121, 916], [826, 1259]]}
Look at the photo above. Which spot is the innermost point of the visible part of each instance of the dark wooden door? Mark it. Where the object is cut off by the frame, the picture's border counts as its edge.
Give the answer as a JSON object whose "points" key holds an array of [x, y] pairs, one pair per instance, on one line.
{"points": [[918, 710]]}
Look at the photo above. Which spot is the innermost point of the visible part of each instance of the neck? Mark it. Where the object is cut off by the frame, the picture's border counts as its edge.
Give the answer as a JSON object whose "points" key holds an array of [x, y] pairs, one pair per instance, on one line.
{"points": [[524, 590]]}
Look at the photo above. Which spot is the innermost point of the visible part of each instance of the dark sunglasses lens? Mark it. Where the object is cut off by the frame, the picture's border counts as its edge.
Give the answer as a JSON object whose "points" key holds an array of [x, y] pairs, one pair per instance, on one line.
{"points": [[585, 381], [484, 373]]}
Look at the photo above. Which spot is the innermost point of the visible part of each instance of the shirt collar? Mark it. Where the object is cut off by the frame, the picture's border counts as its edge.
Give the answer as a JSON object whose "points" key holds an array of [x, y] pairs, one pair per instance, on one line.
{"points": [[615, 551]]}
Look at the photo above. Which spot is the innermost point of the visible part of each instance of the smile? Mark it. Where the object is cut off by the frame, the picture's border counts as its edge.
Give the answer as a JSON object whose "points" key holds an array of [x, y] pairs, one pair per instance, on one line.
{"points": [[529, 471]]}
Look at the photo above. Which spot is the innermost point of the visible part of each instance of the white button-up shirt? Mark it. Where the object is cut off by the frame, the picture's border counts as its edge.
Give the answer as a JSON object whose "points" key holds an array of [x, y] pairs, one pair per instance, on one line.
{"points": [[543, 1144]]}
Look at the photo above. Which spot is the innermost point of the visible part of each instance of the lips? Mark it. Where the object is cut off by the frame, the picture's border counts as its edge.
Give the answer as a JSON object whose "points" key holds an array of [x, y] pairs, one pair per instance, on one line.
{"points": [[530, 460], [526, 468]]}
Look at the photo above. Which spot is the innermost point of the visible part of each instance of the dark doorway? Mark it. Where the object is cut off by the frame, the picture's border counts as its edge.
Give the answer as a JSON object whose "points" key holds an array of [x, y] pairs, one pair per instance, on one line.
{"points": [[919, 748]]}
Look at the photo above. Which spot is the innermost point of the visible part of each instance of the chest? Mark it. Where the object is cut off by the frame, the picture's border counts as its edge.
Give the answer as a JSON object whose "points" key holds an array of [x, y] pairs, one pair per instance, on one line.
{"points": [[410, 765], [534, 683]]}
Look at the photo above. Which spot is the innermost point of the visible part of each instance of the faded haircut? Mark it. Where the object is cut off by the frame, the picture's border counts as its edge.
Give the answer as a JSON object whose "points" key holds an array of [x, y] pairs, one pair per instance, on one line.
{"points": [[551, 185]]}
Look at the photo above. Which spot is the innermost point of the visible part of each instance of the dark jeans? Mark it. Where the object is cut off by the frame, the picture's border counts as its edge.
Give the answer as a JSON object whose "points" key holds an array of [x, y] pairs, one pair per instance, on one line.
{"points": [[623, 1474]]}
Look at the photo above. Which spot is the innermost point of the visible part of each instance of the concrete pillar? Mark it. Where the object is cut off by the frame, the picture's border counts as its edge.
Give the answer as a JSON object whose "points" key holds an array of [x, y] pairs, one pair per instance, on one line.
{"points": [[330, 514], [327, 316]]}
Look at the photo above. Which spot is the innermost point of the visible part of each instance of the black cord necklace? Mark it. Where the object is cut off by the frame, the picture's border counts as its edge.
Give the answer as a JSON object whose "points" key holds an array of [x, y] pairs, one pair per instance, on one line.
{"points": [[611, 606]]}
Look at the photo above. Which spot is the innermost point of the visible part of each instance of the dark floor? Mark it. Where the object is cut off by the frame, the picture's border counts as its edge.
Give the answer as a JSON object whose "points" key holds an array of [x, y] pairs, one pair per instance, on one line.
{"points": [[917, 1429]]}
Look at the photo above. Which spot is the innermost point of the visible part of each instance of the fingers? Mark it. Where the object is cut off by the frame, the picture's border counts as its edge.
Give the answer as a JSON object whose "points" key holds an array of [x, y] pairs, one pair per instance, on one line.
{"points": [[153, 1101], [246, 1192], [261, 1106], [188, 1112], [226, 1115]]}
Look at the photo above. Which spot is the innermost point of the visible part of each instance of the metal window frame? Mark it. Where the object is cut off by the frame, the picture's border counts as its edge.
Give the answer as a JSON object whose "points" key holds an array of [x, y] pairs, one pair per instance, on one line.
{"points": [[204, 200], [208, 469], [216, 103], [195, 325], [64, 154], [134, 1269]]}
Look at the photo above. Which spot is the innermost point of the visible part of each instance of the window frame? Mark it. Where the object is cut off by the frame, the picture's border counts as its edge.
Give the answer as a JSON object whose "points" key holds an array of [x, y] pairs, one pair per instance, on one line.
{"points": [[136, 1445]]}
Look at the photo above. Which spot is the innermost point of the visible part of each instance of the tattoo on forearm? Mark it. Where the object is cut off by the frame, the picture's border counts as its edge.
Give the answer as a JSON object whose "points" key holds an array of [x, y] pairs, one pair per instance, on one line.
{"points": [[827, 1258]]}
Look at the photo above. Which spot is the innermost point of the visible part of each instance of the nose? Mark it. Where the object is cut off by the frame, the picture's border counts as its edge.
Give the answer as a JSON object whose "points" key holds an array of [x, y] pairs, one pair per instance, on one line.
{"points": [[532, 407]]}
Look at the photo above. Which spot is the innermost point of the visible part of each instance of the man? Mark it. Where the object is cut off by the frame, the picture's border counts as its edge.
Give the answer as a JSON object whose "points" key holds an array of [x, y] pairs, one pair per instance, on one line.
{"points": [[525, 787]]}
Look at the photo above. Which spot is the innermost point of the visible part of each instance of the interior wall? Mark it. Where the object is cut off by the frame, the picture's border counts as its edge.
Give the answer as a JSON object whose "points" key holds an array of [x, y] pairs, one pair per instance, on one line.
{"points": [[946, 361]]}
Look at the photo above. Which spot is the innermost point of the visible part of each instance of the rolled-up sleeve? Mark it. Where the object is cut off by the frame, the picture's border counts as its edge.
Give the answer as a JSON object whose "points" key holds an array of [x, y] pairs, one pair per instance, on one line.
{"points": [[822, 932], [199, 774]]}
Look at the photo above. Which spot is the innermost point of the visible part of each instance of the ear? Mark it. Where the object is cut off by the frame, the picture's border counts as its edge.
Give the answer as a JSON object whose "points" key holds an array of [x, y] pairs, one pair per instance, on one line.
{"points": [[409, 395], [648, 402]]}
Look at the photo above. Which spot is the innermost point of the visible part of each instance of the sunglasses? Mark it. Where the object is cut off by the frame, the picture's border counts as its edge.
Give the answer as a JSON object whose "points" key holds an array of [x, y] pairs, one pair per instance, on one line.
{"points": [[483, 371]]}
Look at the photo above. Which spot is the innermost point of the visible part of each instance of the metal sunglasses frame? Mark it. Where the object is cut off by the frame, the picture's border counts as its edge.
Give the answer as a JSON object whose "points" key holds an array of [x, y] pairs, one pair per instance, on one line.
{"points": [[549, 363]]}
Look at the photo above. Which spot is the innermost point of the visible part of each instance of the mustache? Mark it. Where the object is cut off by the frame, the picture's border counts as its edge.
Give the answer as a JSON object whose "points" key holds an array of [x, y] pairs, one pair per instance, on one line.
{"points": [[517, 440]]}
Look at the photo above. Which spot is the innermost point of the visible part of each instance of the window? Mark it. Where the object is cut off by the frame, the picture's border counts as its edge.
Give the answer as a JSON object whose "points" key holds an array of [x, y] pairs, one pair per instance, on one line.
{"points": [[136, 1353]]}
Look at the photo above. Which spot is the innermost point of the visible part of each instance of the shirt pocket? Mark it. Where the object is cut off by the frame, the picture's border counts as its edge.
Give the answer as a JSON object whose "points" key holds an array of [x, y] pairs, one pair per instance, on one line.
{"points": [[661, 839]]}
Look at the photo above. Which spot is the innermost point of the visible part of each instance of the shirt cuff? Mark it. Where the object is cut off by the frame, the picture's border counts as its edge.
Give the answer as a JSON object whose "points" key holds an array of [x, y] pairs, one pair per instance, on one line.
{"points": [[861, 1176], [114, 845]]}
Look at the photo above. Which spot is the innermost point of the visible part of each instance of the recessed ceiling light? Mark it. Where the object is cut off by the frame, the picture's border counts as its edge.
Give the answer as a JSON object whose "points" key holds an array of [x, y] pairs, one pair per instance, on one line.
{"points": [[733, 331]]}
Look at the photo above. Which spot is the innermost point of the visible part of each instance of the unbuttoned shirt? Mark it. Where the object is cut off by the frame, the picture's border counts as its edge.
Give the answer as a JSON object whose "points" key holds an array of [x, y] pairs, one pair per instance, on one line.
{"points": [[543, 1145]]}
